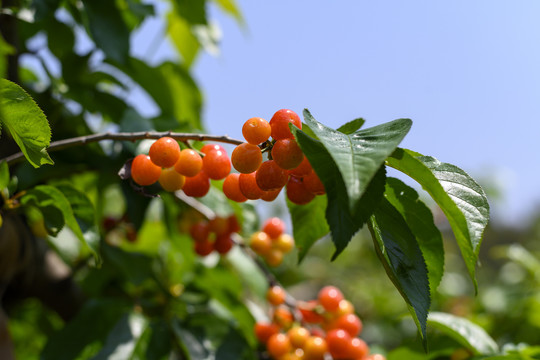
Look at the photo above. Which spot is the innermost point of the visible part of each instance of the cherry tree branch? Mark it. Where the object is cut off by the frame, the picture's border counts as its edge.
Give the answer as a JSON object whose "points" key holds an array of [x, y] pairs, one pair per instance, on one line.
{"points": [[125, 136]]}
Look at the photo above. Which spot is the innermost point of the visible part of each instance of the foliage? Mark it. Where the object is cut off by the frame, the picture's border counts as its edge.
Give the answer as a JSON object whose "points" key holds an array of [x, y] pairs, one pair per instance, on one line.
{"points": [[149, 295]]}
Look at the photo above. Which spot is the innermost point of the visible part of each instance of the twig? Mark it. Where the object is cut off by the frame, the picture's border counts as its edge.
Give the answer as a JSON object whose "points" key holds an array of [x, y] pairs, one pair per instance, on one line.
{"points": [[127, 136]]}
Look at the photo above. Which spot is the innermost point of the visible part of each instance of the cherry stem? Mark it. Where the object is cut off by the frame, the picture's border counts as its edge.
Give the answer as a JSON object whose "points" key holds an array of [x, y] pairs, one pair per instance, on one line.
{"points": [[125, 136]]}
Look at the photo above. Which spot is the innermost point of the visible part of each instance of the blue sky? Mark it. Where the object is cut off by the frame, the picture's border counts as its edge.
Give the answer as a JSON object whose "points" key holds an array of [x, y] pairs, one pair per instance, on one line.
{"points": [[466, 72]]}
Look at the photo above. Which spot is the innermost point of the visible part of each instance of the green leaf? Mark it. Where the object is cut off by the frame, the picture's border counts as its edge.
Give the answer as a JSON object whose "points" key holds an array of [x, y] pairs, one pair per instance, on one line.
{"points": [[183, 39], [470, 335], [91, 324], [359, 155], [192, 343], [4, 175], [402, 259], [194, 11], [45, 8], [351, 126], [159, 344], [124, 338], [461, 199], [57, 211], [343, 221], [171, 87], [309, 223], [84, 213], [107, 28], [5, 49], [135, 267], [231, 7], [420, 220], [25, 122]]}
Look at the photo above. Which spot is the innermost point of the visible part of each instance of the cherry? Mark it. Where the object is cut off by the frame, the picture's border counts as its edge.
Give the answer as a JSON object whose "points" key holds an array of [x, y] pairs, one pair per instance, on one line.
{"points": [[223, 244], [232, 224], [274, 257], [287, 154], [276, 295], [248, 186], [297, 192], [203, 248], [189, 163], [144, 171], [164, 152], [301, 170], [350, 323], [280, 124], [298, 335], [231, 188], [270, 176], [170, 180], [315, 348], [313, 184], [199, 231], [260, 243], [256, 130], [284, 242], [246, 158], [263, 331], [216, 164], [209, 147], [278, 345], [218, 225], [329, 297], [357, 349], [338, 341], [198, 185], [270, 195], [274, 227]]}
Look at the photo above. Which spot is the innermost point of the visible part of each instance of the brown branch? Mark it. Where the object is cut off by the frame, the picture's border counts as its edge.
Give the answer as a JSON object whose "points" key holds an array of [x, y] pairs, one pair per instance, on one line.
{"points": [[128, 136]]}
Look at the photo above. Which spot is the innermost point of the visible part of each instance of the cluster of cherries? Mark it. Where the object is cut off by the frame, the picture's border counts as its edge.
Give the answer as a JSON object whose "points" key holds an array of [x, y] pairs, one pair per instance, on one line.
{"points": [[177, 169], [191, 170], [286, 165], [271, 243], [315, 330], [214, 235]]}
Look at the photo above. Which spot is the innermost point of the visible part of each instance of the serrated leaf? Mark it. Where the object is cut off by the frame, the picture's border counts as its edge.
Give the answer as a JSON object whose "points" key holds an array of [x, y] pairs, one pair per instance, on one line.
{"points": [[461, 199], [123, 339], [420, 220], [360, 155], [351, 126], [470, 335], [25, 122], [309, 224], [84, 213], [402, 259], [344, 215], [107, 28]]}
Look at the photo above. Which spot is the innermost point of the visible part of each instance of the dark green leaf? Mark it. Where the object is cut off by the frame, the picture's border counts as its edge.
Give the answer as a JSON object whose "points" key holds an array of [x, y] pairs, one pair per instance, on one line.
{"points": [[343, 221], [107, 28], [309, 223], [135, 267], [194, 11], [159, 344], [45, 8], [124, 338], [420, 220], [192, 343], [461, 199], [351, 126], [25, 122], [470, 335], [84, 213], [402, 258], [5, 49], [360, 155], [60, 38], [91, 324], [233, 347]]}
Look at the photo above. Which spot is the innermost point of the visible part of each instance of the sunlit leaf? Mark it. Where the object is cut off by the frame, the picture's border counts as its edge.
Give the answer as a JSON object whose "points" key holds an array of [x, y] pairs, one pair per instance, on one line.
{"points": [[26, 123]]}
